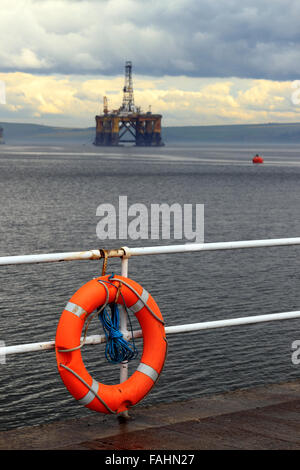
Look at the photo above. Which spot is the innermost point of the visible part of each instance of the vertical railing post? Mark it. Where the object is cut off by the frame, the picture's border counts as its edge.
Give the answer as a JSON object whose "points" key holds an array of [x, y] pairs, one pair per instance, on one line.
{"points": [[123, 328], [123, 323]]}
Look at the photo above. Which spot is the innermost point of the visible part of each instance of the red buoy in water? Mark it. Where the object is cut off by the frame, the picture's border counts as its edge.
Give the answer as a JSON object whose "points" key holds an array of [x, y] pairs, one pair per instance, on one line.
{"points": [[258, 159]]}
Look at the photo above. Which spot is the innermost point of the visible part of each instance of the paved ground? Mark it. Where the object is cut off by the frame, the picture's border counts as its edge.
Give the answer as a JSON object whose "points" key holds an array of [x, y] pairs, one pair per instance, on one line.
{"points": [[261, 418]]}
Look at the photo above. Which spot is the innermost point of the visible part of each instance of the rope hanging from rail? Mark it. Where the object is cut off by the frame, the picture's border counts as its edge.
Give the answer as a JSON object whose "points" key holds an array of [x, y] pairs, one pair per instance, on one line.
{"points": [[117, 349], [104, 255]]}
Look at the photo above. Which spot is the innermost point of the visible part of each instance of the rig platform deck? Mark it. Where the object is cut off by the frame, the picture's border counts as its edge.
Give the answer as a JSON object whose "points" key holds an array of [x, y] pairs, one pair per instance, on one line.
{"points": [[261, 418]]}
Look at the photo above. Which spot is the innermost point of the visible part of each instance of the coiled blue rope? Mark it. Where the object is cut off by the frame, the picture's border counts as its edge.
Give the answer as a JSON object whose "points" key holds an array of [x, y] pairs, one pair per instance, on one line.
{"points": [[117, 348]]}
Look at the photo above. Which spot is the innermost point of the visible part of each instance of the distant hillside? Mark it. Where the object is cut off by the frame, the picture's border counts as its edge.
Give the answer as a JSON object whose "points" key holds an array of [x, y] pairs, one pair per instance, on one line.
{"points": [[263, 133], [18, 133]]}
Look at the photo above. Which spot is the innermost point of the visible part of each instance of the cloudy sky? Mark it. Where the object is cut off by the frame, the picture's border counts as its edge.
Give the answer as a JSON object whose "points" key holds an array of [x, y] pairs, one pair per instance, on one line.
{"points": [[197, 62]]}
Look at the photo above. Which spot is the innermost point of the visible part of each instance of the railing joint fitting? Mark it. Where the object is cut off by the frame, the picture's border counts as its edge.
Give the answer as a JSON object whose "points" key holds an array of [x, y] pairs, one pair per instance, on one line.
{"points": [[126, 251]]}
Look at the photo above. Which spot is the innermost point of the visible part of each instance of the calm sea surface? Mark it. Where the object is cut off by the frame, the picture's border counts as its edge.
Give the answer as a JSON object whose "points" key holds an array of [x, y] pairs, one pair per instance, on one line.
{"points": [[49, 197]]}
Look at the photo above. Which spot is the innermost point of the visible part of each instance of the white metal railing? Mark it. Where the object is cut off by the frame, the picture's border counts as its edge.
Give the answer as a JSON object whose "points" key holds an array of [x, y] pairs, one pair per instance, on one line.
{"points": [[125, 253], [155, 250]]}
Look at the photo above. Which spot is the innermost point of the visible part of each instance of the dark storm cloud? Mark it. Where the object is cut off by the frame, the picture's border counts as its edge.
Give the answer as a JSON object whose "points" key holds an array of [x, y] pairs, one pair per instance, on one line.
{"points": [[198, 38]]}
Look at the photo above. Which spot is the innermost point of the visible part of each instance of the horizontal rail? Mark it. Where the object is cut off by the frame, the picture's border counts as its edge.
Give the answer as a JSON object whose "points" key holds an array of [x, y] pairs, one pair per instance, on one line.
{"points": [[154, 250], [188, 328], [194, 247], [57, 257]]}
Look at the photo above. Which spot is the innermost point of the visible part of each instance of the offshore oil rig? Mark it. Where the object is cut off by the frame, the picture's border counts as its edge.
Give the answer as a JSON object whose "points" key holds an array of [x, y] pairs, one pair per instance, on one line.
{"points": [[128, 124], [1, 135]]}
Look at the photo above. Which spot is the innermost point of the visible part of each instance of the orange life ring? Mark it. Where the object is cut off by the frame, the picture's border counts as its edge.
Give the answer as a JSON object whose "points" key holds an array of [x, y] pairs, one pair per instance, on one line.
{"points": [[92, 394]]}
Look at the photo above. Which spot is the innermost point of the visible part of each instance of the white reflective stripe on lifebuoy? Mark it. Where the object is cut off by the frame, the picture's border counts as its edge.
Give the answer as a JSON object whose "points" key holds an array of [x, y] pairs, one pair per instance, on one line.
{"points": [[89, 397], [148, 370], [141, 302], [76, 309]]}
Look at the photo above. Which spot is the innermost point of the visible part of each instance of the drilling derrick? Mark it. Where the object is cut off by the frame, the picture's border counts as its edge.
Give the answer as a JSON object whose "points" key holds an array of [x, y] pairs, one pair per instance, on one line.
{"points": [[105, 105], [128, 100], [128, 124]]}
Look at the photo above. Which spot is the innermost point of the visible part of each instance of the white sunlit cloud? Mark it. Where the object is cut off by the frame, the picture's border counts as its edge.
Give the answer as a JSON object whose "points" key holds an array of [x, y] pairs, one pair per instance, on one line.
{"points": [[75, 100]]}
